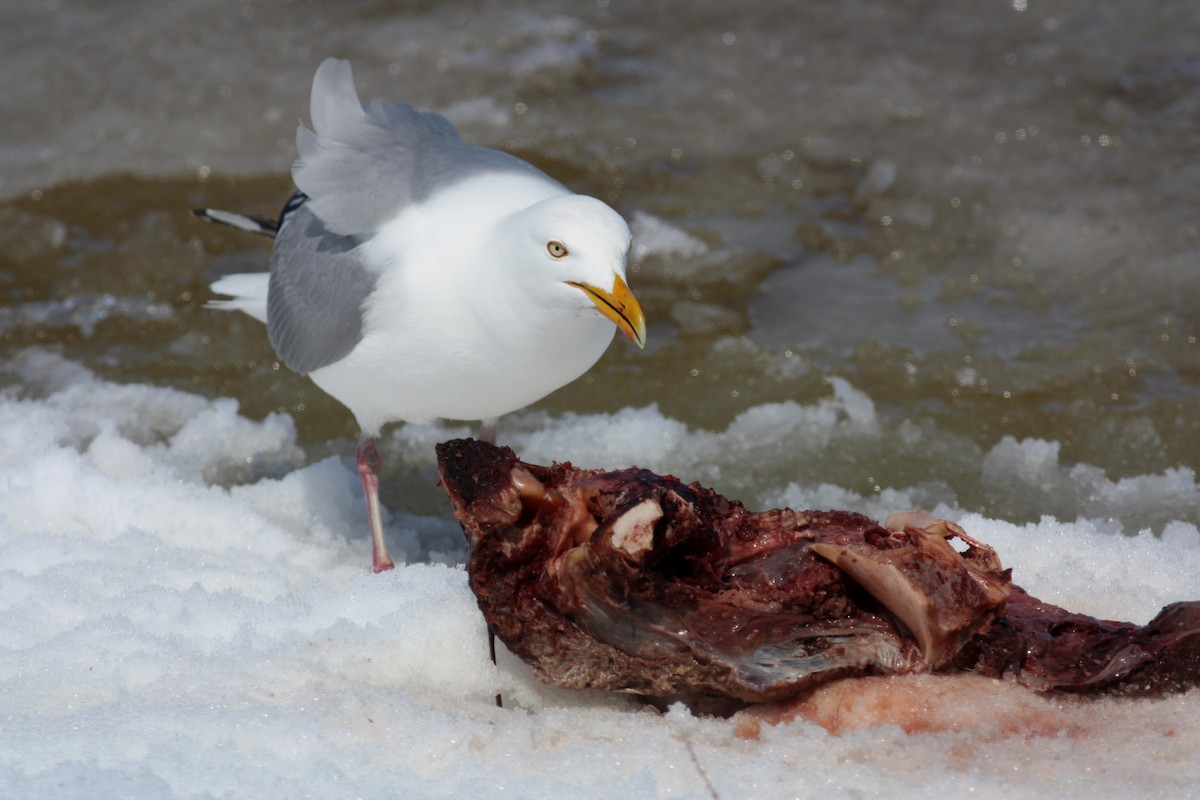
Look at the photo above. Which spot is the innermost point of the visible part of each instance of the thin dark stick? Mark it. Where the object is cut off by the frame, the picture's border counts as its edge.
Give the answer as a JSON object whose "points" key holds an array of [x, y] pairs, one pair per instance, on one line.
{"points": [[492, 650]]}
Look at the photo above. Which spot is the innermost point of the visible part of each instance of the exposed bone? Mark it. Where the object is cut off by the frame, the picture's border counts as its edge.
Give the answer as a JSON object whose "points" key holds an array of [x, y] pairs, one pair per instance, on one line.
{"points": [[528, 487], [633, 532], [926, 584]]}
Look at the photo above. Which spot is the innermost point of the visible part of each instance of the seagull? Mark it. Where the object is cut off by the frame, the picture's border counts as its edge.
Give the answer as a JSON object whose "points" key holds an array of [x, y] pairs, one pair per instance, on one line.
{"points": [[416, 277]]}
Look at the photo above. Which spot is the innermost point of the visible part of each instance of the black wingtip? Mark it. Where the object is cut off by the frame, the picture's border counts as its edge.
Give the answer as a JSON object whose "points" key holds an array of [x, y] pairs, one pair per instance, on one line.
{"points": [[244, 222]]}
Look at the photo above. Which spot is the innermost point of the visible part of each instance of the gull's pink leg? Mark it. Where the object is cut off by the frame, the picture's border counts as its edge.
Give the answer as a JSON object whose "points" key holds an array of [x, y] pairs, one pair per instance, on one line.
{"points": [[369, 465]]}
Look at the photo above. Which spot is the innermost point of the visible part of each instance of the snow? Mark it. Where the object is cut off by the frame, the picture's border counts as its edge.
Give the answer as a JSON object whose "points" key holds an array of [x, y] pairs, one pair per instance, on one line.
{"points": [[186, 609]]}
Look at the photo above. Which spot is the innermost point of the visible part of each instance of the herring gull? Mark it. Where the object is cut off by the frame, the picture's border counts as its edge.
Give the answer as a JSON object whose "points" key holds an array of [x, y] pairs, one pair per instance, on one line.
{"points": [[417, 277]]}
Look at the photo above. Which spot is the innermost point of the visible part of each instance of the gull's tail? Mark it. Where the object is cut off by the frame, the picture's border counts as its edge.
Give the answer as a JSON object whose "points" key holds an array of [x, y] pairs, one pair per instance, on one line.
{"points": [[248, 292]]}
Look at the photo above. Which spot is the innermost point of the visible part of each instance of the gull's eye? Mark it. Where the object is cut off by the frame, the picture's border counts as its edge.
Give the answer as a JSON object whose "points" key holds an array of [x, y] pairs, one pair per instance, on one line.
{"points": [[556, 249]]}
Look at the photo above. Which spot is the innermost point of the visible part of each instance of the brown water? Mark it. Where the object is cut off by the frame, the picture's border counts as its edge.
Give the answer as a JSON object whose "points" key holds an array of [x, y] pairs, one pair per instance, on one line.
{"points": [[983, 219]]}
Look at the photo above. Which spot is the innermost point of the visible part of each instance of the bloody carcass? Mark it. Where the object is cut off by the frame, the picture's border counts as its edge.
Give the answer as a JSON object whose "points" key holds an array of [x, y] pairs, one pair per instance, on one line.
{"points": [[628, 580]]}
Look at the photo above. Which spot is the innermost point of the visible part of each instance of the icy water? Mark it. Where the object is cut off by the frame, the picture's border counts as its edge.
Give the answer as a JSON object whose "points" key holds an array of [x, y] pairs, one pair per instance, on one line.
{"points": [[981, 219]]}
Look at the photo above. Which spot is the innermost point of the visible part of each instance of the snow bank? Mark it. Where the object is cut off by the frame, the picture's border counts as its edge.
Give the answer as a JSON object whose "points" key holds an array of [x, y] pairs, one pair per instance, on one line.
{"points": [[186, 610]]}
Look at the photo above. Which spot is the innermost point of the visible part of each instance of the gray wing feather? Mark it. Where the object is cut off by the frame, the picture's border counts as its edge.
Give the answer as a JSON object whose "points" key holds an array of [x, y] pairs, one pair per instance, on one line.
{"points": [[316, 292], [360, 165]]}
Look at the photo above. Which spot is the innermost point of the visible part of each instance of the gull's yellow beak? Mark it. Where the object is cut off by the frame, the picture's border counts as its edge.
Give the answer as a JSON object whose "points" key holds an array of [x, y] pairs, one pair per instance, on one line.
{"points": [[620, 306]]}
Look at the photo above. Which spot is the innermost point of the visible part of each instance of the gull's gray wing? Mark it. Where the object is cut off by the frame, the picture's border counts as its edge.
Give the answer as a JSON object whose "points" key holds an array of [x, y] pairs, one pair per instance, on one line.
{"points": [[358, 168], [361, 165], [316, 291]]}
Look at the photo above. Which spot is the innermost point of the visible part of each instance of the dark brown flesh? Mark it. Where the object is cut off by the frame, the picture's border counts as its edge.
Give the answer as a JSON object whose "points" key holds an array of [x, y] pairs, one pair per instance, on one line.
{"points": [[632, 581]]}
